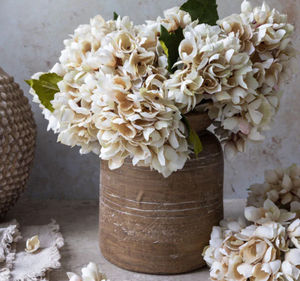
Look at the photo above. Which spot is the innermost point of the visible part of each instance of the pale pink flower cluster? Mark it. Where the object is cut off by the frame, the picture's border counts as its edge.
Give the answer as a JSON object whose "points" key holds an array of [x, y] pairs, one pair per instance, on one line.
{"points": [[263, 247]]}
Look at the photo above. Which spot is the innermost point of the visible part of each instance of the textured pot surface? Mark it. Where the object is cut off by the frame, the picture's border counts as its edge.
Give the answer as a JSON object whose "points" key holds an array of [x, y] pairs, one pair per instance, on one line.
{"points": [[17, 141], [155, 225]]}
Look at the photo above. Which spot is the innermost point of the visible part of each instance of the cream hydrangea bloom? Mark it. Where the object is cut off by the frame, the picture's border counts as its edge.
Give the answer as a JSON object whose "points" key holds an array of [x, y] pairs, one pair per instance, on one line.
{"points": [[212, 68], [267, 249], [246, 112], [281, 186], [112, 98], [226, 66], [241, 252]]}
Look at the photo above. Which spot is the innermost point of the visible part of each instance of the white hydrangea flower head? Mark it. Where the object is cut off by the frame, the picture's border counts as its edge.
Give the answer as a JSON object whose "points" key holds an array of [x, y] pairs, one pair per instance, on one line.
{"points": [[213, 68], [112, 98], [239, 252], [246, 111], [267, 249], [281, 186]]}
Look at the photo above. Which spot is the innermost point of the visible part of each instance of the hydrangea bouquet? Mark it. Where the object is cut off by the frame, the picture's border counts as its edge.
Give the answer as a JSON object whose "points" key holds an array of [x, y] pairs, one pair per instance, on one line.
{"points": [[123, 90]]}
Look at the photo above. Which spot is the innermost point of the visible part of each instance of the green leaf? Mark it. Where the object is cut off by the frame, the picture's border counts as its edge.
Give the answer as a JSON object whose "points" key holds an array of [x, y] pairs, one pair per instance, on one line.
{"points": [[194, 139], [46, 87], [170, 43], [115, 16], [192, 136], [206, 11], [187, 124]]}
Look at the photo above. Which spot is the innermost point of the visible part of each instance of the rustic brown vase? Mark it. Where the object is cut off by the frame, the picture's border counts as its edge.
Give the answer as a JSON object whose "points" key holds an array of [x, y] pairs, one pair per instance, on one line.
{"points": [[17, 142], [154, 225]]}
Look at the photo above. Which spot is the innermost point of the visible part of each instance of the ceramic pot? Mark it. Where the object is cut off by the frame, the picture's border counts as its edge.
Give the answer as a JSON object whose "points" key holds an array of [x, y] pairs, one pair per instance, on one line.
{"points": [[17, 141], [158, 225]]}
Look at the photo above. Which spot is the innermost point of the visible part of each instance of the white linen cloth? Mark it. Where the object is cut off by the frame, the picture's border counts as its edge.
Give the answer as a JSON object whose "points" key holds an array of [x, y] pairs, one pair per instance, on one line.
{"points": [[33, 266]]}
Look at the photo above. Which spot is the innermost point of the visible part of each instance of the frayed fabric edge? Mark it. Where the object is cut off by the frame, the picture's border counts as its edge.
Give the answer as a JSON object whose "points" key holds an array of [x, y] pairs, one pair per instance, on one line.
{"points": [[55, 256], [38, 276], [12, 235], [55, 232]]}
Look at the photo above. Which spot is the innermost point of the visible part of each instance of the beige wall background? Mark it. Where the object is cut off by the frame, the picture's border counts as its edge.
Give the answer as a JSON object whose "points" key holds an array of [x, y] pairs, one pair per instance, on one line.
{"points": [[31, 39]]}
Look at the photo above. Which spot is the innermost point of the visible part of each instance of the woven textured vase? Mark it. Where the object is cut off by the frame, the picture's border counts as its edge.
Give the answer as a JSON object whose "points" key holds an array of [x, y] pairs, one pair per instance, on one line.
{"points": [[17, 141], [158, 225]]}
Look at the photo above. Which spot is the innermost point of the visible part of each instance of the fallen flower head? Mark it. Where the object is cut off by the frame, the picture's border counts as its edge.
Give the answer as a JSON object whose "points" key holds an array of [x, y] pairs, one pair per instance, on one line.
{"points": [[89, 273], [265, 247], [32, 244], [281, 186]]}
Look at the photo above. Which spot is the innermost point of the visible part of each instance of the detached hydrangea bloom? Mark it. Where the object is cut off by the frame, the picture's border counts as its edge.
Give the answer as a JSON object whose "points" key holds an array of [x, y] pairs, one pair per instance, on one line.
{"points": [[281, 186], [89, 273], [264, 247], [239, 252], [112, 99]]}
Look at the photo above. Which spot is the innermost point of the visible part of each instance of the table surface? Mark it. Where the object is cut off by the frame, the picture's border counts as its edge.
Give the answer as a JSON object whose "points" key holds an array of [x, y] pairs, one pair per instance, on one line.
{"points": [[79, 226]]}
